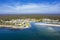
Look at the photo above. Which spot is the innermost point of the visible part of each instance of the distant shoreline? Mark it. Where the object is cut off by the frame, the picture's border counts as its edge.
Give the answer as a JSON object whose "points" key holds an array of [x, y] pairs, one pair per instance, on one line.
{"points": [[30, 14]]}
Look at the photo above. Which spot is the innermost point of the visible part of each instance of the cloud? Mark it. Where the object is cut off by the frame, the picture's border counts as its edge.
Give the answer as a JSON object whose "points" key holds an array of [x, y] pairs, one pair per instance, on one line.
{"points": [[30, 8]]}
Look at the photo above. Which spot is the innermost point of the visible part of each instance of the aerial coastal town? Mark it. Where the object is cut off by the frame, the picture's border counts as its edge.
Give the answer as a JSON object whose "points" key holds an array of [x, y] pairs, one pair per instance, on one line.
{"points": [[18, 23], [23, 23]]}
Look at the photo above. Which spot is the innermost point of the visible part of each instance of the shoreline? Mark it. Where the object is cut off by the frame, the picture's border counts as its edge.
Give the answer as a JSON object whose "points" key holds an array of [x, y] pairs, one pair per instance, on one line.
{"points": [[13, 26], [54, 25]]}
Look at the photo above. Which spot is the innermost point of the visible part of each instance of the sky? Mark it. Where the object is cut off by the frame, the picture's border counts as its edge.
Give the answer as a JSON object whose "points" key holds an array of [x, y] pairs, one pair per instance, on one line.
{"points": [[29, 6]]}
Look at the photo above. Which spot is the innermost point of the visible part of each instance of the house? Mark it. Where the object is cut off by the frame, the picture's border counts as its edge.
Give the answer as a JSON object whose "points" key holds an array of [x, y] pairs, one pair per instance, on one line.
{"points": [[50, 21]]}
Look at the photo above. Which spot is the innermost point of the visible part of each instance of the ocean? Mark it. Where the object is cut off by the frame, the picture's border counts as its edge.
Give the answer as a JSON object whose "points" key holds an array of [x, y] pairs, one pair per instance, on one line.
{"points": [[34, 33]]}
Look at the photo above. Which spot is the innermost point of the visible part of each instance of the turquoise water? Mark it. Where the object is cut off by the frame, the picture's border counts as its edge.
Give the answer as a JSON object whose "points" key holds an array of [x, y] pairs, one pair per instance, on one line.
{"points": [[34, 33]]}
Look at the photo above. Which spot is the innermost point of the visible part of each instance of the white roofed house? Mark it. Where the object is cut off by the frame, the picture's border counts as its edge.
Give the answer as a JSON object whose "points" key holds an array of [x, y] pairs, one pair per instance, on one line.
{"points": [[46, 20], [50, 21], [12, 22], [22, 24], [19, 23]]}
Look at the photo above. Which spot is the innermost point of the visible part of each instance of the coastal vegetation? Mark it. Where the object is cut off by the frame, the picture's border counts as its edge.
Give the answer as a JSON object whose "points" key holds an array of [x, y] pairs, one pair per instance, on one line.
{"points": [[37, 17]]}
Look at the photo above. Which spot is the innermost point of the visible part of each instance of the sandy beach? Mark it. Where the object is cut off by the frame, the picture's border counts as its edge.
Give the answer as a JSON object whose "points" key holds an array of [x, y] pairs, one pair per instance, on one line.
{"points": [[54, 25], [13, 26]]}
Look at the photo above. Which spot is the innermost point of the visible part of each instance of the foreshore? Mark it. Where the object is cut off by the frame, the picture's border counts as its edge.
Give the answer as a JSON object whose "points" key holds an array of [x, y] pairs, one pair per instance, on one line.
{"points": [[45, 24], [13, 26]]}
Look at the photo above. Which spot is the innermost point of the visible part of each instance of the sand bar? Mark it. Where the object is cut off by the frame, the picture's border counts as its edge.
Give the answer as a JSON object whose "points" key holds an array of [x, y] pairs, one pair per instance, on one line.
{"points": [[54, 25]]}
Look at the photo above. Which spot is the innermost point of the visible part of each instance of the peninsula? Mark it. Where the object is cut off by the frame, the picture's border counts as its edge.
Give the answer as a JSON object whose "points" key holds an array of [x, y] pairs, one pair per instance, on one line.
{"points": [[17, 23]]}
